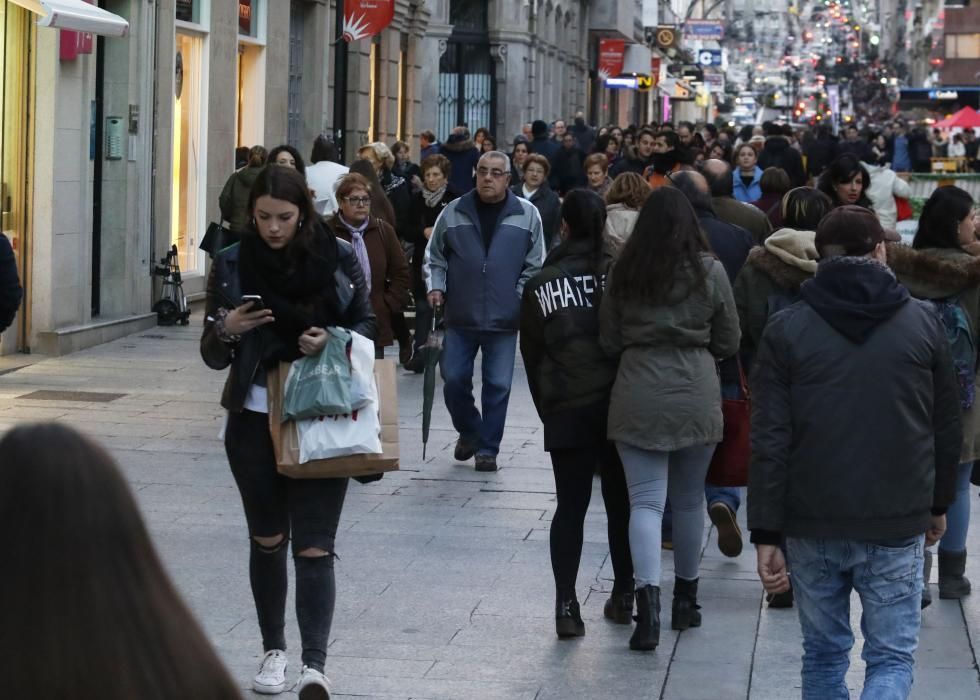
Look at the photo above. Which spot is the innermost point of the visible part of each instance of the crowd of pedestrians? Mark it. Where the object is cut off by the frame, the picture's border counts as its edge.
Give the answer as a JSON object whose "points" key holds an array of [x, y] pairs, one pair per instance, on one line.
{"points": [[642, 274]]}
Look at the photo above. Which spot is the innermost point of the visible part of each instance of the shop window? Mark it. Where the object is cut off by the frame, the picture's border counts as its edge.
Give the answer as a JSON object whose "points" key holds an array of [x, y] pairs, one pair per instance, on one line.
{"points": [[251, 73], [189, 166], [193, 12]]}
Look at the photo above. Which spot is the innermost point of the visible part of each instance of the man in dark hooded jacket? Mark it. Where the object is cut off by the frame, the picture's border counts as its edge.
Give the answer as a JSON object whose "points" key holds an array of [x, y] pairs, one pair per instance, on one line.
{"points": [[463, 156], [778, 152], [583, 133], [855, 443]]}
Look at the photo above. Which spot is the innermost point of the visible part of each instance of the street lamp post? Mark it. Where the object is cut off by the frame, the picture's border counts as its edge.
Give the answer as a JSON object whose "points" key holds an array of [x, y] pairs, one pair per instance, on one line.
{"points": [[340, 83]]}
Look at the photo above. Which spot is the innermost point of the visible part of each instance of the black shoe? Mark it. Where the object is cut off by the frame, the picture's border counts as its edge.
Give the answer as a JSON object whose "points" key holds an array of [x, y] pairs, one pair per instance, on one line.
{"points": [[404, 351], [417, 363], [729, 533], [646, 636], [780, 600], [619, 608], [486, 463], [684, 612], [464, 450], [568, 619]]}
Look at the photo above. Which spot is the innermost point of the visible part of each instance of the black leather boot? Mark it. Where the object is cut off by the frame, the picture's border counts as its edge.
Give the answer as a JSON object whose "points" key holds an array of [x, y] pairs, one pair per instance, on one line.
{"points": [[646, 636], [952, 583], [568, 619], [619, 607], [684, 612]]}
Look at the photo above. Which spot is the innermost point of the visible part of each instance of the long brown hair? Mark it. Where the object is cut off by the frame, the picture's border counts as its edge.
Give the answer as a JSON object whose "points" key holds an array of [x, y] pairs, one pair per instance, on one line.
{"points": [[87, 609], [664, 250]]}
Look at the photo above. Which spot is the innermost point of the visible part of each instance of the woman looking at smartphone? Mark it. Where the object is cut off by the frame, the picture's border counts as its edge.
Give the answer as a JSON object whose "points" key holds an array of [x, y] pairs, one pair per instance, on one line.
{"points": [[307, 280]]}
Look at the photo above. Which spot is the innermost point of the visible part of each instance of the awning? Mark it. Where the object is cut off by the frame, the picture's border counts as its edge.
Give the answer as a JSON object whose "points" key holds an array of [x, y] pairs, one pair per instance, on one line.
{"points": [[637, 59], [76, 15]]}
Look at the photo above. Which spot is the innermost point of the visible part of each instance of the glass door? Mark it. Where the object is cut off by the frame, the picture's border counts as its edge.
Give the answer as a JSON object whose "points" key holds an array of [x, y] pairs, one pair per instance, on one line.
{"points": [[15, 170], [187, 202]]}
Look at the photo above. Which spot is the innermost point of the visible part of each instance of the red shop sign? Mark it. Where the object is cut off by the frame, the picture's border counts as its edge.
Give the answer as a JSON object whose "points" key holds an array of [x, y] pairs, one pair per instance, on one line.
{"points": [[611, 53], [365, 18], [73, 43]]}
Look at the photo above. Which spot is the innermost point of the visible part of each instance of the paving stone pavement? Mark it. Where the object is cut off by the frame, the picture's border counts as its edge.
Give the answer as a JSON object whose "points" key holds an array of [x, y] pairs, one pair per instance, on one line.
{"points": [[444, 581]]}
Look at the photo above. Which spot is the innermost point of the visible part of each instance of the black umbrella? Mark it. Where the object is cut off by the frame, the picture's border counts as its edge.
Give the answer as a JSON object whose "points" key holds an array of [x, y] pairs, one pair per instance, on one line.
{"points": [[431, 352]]}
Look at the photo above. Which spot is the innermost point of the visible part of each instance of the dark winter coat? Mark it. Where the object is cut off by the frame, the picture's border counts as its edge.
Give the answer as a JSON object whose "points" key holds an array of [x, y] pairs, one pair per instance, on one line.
{"points": [[732, 211], [399, 193], [770, 280], [630, 162], [855, 412], [549, 207], [569, 170], [935, 273], [10, 289], [667, 395], [779, 153], [390, 276], [233, 201], [224, 290], [860, 149], [463, 156], [819, 154], [569, 375]]}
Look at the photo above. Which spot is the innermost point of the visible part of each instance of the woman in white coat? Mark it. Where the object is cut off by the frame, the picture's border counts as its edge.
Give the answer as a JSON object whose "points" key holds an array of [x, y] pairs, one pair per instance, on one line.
{"points": [[885, 186]]}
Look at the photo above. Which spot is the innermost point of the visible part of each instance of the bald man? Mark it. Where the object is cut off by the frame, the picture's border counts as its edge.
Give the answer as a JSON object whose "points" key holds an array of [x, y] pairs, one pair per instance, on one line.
{"points": [[718, 173]]}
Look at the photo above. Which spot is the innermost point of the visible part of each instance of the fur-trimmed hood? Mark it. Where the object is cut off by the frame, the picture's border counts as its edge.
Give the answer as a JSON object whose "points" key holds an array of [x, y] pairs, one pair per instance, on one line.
{"points": [[783, 275], [788, 258], [458, 146], [934, 273]]}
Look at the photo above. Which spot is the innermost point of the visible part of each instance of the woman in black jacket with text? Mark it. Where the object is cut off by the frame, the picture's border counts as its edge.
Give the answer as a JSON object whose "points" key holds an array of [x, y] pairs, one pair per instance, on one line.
{"points": [[307, 280], [570, 379]]}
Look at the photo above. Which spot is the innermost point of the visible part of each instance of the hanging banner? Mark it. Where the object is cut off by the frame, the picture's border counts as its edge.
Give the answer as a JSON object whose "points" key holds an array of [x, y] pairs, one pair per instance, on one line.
{"points": [[612, 53], [365, 18]]}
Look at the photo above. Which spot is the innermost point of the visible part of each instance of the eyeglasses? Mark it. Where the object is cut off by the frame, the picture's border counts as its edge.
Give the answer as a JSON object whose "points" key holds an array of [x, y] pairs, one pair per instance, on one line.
{"points": [[496, 173], [358, 201]]}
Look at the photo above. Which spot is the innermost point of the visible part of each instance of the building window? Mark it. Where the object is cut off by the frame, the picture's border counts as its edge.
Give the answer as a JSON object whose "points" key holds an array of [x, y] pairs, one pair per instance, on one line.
{"points": [[374, 126], [963, 46], [193, 14]]}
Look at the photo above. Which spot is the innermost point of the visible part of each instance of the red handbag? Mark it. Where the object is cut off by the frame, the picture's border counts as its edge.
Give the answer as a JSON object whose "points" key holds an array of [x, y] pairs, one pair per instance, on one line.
{"points": [[904, 209], [730, 463]]}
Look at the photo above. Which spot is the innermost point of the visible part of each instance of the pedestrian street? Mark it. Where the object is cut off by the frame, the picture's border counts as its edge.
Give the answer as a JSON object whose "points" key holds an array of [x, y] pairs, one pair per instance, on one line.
{"points": [[445, 589]]}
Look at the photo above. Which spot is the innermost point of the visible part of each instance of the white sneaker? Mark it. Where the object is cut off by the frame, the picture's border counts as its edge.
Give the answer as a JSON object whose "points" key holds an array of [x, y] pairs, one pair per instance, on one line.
{"points": [[312, 685], [271, 678]]}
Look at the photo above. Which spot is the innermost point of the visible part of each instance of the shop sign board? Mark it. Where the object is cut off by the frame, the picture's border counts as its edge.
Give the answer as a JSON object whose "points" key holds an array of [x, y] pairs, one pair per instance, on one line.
{"points": [[612, 53], [365, 18], [704, 30]]}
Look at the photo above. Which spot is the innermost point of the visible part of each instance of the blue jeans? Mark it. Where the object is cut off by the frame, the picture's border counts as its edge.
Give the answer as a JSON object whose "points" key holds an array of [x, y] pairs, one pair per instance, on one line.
{"points": [[458, 354], [888, 578], [958, 515]]}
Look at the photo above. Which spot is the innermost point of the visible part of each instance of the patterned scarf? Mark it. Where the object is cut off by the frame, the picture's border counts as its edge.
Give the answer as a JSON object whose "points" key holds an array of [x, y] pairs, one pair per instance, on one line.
{"points": [[360, 249], [432, 199]]}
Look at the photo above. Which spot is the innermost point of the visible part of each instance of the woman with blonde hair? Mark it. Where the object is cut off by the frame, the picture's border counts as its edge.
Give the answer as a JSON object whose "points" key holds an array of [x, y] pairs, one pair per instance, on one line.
{"points": [[625, 198]]}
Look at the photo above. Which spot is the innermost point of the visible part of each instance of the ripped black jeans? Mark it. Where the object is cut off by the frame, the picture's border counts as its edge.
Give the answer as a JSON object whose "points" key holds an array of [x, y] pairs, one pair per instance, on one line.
{"points": [[305, 510]]}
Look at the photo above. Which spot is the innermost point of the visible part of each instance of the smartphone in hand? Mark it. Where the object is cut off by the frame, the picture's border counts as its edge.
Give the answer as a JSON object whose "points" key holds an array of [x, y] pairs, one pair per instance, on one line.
{"points": [[256, 299]]}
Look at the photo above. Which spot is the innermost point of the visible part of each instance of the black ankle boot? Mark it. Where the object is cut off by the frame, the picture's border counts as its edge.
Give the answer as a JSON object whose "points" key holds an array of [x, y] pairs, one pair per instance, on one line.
{"points": [[684, 612], [619, 607], [568, 619], [952, 583], [646, 636]]}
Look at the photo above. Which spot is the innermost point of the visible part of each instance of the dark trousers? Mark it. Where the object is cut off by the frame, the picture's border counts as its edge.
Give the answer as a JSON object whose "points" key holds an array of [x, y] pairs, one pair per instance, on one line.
{"points": [[574, 470], [305, 510]]}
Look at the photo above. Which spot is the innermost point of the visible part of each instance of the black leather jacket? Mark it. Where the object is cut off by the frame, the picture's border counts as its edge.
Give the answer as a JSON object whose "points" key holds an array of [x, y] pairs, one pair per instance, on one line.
{"points": [[224, 290]]}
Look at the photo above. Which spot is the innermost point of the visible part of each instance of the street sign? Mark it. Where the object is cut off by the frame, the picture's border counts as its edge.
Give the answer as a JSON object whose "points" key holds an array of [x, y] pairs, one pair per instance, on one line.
{"points": [[666, 37], [704, 29], [709, 57], [715, 82]]}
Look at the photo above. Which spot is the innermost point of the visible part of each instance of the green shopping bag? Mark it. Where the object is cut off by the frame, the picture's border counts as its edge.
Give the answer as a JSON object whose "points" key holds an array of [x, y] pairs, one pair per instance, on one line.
{"points": [[320, 385]]}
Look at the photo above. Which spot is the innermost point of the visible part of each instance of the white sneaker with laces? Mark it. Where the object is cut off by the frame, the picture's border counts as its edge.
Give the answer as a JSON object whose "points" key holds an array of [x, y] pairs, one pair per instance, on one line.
{"points": [[271, 678], [312, 685]]}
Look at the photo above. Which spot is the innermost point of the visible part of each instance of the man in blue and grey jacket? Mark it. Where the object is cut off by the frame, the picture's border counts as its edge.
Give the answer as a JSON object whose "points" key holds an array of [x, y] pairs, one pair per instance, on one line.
{"points": [[484, 248]]}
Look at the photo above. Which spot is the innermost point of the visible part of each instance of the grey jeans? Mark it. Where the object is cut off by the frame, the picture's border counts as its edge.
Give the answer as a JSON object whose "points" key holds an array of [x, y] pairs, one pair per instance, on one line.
{"points": [[651, 476]]}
